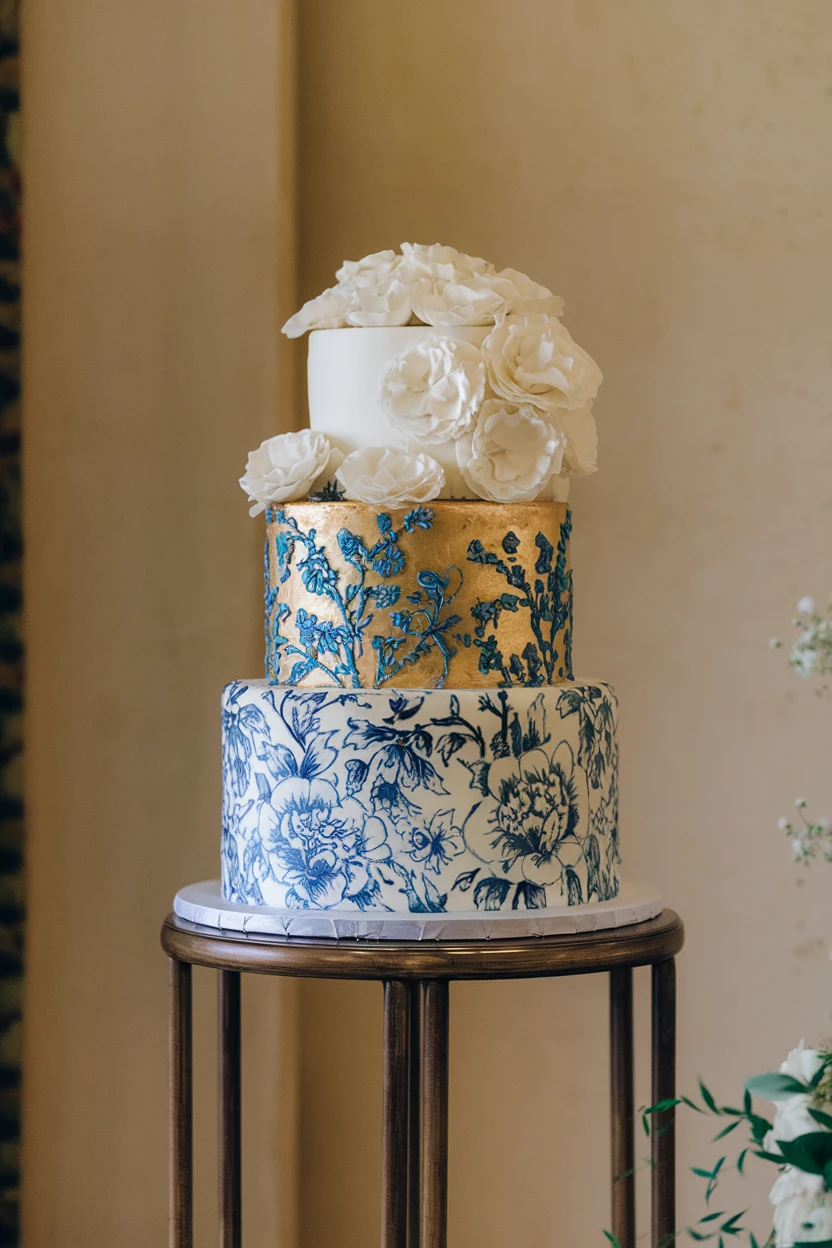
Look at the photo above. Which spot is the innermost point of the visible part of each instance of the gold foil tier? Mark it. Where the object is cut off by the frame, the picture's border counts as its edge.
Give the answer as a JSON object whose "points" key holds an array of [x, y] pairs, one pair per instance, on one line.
{"points": [[456, 594]]}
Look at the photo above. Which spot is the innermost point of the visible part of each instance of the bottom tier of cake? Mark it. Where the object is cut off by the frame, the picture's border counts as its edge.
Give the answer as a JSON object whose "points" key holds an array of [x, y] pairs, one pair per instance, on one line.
{"points": [[416, 801]]}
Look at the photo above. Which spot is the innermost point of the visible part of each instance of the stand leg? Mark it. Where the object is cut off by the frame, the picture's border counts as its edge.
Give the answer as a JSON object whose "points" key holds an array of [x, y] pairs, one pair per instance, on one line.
{"points": [[434, 1098], [181, 1233], [394, 1160], [414, 1112], [621, 1100], [664, 1088], [228, 1067]]}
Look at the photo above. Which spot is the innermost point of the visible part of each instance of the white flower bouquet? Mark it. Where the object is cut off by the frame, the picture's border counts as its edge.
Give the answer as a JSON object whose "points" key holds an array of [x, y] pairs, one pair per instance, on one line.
{"points": [[797, 1140]]}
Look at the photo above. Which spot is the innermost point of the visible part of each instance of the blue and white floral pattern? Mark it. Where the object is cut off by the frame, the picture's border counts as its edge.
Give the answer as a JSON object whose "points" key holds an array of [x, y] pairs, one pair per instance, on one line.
{"points": [[420, 801]]}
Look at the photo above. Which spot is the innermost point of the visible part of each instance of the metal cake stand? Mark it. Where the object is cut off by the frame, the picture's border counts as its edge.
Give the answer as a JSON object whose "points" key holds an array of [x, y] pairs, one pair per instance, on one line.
{"points": [[416, 976]]}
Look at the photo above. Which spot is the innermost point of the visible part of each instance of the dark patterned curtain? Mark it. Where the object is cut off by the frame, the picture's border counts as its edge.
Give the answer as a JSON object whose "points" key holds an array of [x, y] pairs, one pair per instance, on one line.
{"points": [[11, 649]]}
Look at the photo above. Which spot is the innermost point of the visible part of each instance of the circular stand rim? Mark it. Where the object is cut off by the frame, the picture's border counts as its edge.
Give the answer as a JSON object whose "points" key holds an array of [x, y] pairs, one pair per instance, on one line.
{"points": [[640, 944]]}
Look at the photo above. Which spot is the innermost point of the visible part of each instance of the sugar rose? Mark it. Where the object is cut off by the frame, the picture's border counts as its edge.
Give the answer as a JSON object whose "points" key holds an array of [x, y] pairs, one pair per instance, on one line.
{"points": [[534, 359], [438, 262], [524, 296], [389, 478], [284, 468], [387, 302], [327, 311], [461, 301], [581, 454], [432, 392], [374, 269], [512, 453]]}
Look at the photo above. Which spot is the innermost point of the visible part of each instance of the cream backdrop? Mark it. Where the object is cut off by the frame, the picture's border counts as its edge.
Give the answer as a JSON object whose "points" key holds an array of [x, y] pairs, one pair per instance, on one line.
{"points": [[665, 167], [151, 262]]}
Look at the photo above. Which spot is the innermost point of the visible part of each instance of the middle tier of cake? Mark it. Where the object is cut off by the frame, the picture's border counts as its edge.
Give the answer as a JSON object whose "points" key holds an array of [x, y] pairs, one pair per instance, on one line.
{"points": [[419, 801], [458, 594]]}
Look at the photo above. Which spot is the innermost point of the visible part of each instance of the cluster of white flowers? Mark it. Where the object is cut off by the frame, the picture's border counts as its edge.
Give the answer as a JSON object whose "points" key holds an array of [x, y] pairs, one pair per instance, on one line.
{"points": [[291, 466], [431, 285], [802, 1201], [518, 408]]}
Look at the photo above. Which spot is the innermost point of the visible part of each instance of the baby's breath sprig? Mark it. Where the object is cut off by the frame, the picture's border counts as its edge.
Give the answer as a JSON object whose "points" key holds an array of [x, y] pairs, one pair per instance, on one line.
{"points": [[811, 652]]}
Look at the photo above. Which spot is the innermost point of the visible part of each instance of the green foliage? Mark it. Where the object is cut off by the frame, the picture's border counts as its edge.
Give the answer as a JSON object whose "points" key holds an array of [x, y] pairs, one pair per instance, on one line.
{"points": [[810, 1152]]}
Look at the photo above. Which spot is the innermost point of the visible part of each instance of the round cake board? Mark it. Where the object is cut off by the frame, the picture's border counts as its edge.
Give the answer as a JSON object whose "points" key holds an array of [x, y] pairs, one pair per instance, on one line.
{"points": [[205, 905]]}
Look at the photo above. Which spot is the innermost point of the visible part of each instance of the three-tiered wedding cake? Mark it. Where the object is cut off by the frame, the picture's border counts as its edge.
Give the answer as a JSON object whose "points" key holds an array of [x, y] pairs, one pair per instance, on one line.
{"points": [[419, 743]]}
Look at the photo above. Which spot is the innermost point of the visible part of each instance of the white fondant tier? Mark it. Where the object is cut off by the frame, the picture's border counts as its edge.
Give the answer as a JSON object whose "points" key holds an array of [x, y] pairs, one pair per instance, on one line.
{"points": [[204, 904], [419, 801], [345, 367]]}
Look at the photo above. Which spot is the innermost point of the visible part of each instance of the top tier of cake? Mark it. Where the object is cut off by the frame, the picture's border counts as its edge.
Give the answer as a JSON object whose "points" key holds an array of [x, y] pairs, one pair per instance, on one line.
{"points": [[431, 368], [349, 401]]}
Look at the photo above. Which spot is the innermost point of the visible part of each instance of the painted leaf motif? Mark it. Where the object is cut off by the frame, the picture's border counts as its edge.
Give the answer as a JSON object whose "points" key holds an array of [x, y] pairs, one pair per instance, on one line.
{"points": [[253, 718], [279, 759], [264, 790], [319, 756], [528, 895], [479, 774], [463, 882], [573, 888], [490, 893]]}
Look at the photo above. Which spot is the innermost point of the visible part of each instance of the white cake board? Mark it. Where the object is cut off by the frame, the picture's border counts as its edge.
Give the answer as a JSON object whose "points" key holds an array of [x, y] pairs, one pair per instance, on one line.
{"points": [[205, 905]]}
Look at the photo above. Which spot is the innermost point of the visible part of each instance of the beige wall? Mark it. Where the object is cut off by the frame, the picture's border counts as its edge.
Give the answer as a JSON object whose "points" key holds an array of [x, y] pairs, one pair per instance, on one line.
{"points": [[665, 167], [151, 224]]}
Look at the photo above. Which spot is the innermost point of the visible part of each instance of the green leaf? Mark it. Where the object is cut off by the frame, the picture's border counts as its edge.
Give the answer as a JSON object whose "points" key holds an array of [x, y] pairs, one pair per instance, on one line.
{"points": [[811, 1152], [727, 1130], [825, 1120], [760, 1127], [818, 1243], [775, 1086], [707, 1098], [712, 1217], [614, 1240], [759, 1152], [820, 1072], [730, 1226], [741, 1160], [746, 1101]]}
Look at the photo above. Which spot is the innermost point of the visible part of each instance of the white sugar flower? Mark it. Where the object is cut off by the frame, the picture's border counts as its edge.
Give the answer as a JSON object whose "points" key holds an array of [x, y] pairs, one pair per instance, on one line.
{"points": [[432, 391], [801, 1208], [435, 261], [806, 606], [524, 296], [511, 454], [285, 467], [388, 478], [374, 269], [460, 301], [327, 311], [383, 303], [581, 454], [803, 1063], [534, 359]]}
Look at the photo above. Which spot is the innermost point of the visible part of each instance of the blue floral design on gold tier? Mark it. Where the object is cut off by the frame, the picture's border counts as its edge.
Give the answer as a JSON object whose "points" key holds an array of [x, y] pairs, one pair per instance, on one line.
{"points": [[428, 801], [331, 647], [546, 596], [421, 598]]}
